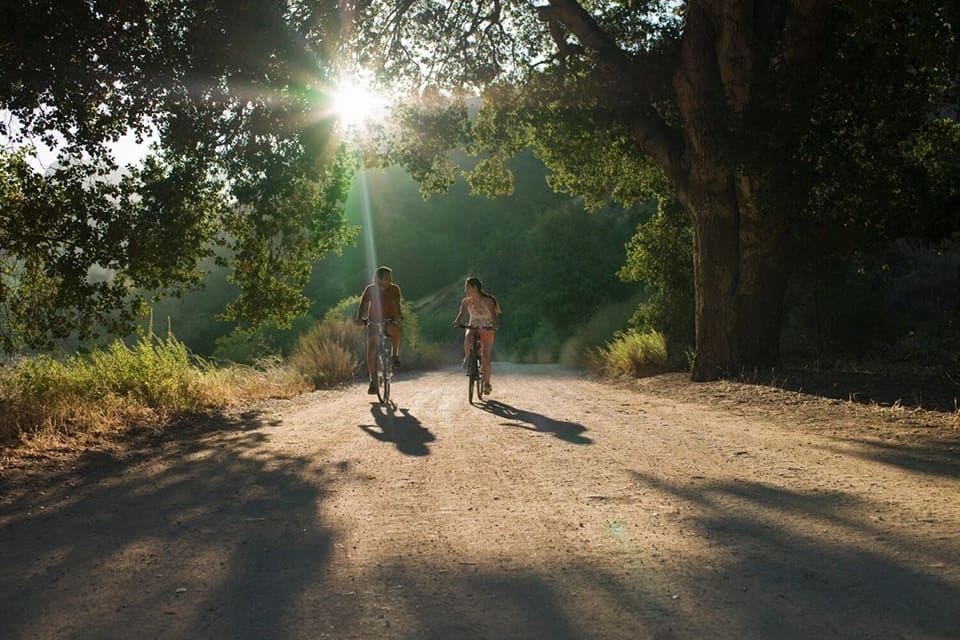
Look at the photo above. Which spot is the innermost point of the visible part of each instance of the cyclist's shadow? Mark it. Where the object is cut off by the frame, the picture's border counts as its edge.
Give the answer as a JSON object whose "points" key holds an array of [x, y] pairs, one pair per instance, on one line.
{"points": [[567, 431], [401, 428]]}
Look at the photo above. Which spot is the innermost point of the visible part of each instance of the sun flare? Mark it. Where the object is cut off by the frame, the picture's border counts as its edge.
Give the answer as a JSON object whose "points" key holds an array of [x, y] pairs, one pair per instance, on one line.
{"points": [[356, 104]]}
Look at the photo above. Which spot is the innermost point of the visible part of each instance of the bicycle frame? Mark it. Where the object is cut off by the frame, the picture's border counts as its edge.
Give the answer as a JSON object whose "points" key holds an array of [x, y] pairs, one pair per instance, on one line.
{"points": [[475, 364], [384, 363]]}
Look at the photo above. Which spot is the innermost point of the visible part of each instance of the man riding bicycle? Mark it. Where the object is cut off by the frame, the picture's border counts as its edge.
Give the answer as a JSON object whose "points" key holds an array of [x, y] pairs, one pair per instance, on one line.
{"points": [[380, 302]]}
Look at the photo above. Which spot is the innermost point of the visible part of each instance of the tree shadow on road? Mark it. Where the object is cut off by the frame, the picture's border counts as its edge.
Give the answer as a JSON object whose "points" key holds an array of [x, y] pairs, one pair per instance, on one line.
{"points": [[401, 428], [567, 431], [200, 531], [934, 392], [939, 457], [785, 553]]}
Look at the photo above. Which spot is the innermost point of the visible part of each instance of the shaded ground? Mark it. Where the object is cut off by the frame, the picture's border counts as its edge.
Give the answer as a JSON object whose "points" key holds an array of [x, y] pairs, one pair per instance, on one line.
{"points": [[561, 508]]}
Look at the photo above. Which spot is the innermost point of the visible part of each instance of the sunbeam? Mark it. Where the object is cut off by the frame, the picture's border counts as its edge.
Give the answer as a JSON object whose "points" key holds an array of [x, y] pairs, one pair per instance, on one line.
{"points": [[368, 237]]}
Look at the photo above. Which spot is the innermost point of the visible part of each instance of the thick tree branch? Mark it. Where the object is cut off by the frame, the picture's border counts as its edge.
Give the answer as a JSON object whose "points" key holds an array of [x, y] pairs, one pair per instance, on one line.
{"points": [[735, 56], [590, 34], [649, 129]]}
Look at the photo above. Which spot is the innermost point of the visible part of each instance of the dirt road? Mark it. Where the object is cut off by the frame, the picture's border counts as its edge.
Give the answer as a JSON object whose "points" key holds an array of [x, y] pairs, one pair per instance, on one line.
{"points": [[562, 509]]}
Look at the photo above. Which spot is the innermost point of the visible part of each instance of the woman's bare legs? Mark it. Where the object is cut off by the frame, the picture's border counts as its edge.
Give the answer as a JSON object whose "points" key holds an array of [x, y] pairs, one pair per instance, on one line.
{"points": [[466, 344], [487, 337]]}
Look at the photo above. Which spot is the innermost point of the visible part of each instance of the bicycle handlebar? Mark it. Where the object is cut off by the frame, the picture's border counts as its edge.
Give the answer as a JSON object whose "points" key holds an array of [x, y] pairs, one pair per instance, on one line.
{"points": [[471, 326]]}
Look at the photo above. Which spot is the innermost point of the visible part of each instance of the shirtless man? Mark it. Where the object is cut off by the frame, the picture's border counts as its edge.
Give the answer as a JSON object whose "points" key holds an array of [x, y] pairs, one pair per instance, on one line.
{"points": [[380, 301]]}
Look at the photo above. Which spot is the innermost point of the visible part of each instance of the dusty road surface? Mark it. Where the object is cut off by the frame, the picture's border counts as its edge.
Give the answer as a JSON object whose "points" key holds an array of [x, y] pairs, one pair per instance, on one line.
{"points": [[561, 509]]}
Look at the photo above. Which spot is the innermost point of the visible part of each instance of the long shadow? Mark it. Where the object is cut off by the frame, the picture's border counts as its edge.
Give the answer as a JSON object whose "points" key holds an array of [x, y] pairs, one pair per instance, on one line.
{"points": [[802, 565], [401, 428], [201, 533], [939, 457], [567, 431]]}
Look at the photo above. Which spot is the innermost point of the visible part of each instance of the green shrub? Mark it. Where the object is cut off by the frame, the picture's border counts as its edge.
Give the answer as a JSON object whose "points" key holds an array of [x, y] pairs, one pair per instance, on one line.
{"points": [[143, 383], [243, 347], [596, 331], [157, 373], [660, 256], [346, 309], [631, 353]]}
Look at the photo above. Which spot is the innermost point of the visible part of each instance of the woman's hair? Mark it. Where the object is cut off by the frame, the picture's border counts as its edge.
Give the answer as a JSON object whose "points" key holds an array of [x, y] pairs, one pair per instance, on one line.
{"points": [[380, 272], [474, 282]]}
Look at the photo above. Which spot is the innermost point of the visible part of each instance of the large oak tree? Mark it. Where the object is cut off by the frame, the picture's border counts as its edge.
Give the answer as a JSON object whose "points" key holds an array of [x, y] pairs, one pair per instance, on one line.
{"points": [[786, 128]]}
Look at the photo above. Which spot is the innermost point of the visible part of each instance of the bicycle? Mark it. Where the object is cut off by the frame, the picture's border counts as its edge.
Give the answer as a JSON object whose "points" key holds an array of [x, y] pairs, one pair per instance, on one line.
{"points": [[474, 363], [384, 362]]}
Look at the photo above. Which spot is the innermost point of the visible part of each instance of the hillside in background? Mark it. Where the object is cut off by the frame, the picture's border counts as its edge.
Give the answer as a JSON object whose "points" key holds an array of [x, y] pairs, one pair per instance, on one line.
{"points": [[551, 264]]}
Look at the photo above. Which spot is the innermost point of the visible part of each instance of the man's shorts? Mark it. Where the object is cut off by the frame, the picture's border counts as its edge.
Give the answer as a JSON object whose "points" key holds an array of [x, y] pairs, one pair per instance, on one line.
{"points": [[372, 329]]}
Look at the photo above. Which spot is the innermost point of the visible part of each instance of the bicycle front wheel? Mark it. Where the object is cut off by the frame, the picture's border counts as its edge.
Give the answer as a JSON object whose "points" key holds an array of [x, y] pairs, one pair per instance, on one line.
{"points": [[383, 379], [475, 381], [472, 376]]}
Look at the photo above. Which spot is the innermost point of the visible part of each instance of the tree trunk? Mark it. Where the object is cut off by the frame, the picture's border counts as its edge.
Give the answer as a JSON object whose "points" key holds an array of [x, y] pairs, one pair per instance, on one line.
{"points": [[741, 267], [731, 55], [742, 257]]}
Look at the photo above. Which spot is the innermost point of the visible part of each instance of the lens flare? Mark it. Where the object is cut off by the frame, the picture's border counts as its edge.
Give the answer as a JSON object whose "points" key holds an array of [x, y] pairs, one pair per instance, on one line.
{"points": [[356, 103]]}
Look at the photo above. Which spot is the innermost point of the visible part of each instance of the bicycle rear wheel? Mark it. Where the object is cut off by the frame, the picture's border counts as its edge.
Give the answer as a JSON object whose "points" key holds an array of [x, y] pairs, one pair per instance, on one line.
{"points": [[475, 380], [383, 378]]}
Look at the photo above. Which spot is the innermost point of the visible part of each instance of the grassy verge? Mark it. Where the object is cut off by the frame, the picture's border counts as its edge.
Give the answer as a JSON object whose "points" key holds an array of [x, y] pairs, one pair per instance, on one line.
{"points": [[45, 400], [146, 384], [630, 353]]}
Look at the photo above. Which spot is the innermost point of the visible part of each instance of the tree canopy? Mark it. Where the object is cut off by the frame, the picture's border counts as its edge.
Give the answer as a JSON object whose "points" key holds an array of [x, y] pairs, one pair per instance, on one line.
{"points": [[784, 130], [234, 96]]}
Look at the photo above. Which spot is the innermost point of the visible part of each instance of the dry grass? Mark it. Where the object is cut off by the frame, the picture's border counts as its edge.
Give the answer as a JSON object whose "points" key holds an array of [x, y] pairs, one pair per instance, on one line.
{"points": [[45, 401], [237, 384], [630, 354], [330, 353]]}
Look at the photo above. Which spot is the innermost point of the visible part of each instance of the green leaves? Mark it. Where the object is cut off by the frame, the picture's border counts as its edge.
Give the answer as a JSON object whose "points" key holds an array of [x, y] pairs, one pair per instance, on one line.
{"points": [[56, 233], [244, 161], [276, 238], [660, 255], [429, 125]]}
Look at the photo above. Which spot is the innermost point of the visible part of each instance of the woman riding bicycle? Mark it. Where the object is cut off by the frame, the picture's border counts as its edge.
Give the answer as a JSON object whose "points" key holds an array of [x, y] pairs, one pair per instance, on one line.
{"points": [[380, 302], [483, 311]]}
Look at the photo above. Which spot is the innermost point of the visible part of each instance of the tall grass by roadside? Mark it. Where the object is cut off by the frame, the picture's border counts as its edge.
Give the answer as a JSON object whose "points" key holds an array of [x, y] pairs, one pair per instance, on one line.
{"points": [[630, 353], [329, 353], [145, 384]]}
